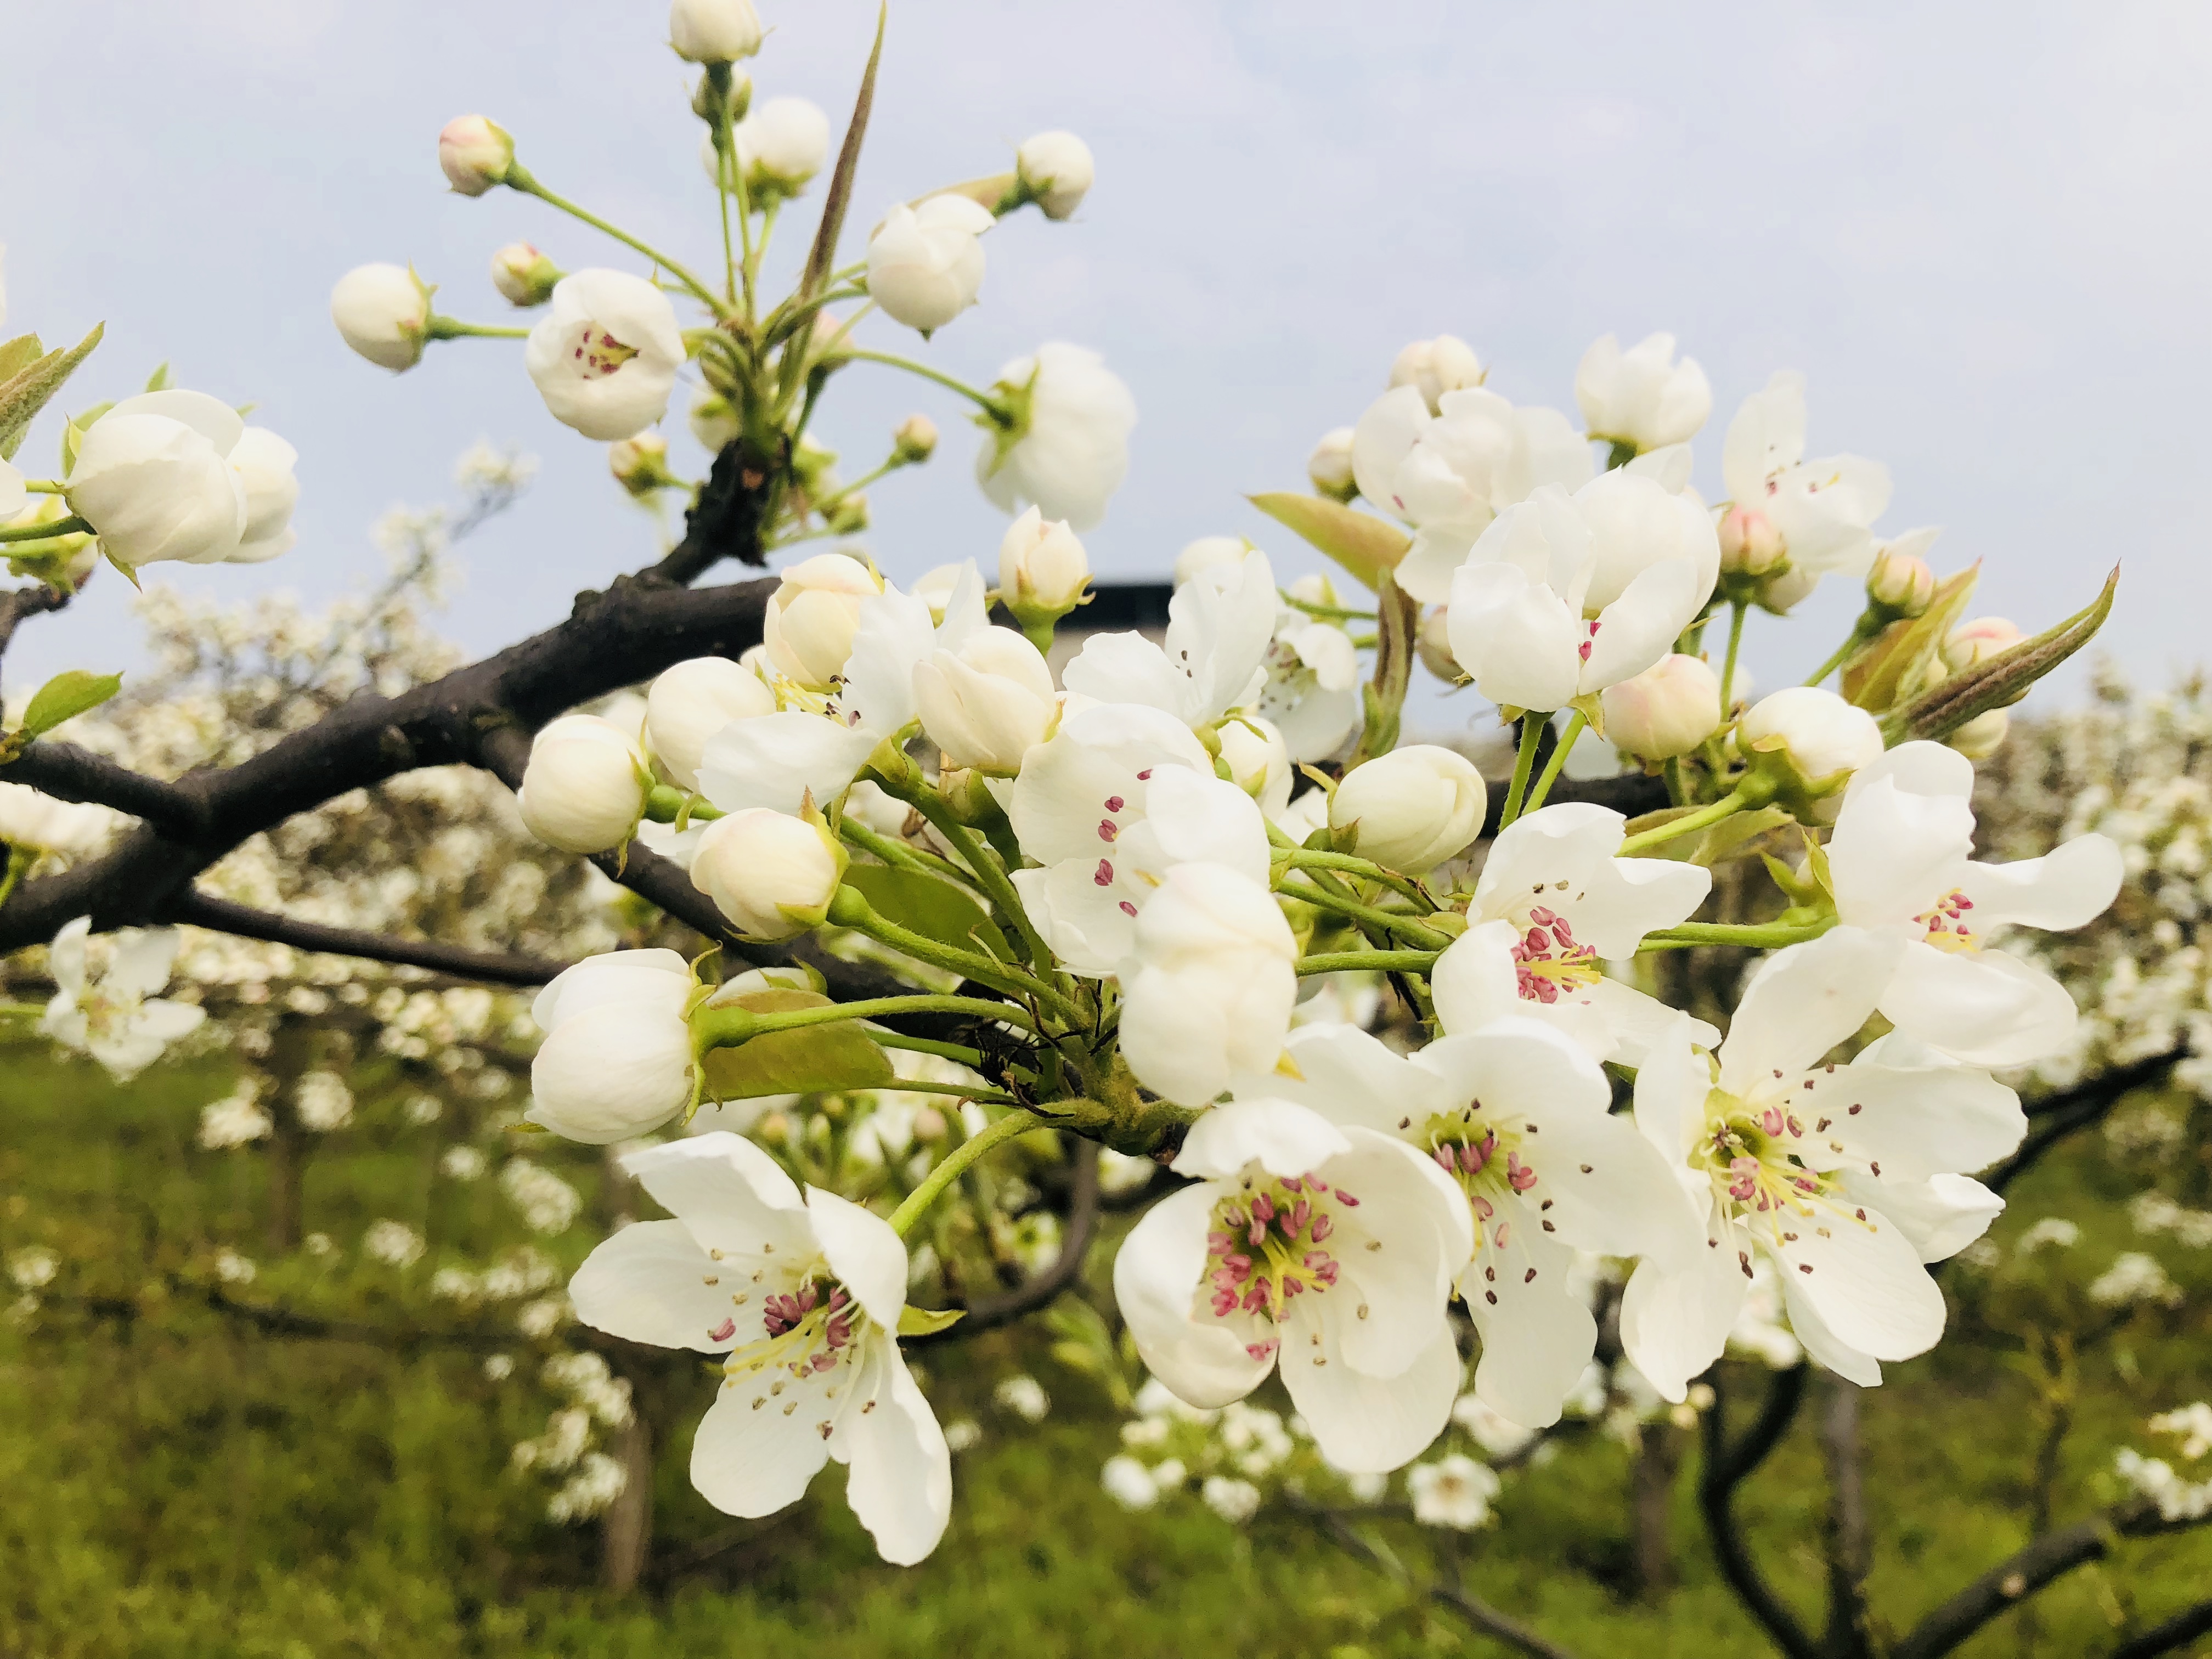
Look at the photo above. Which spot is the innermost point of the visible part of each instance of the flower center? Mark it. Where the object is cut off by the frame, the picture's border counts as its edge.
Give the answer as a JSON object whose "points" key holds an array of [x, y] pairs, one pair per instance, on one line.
{"points": [[598, 354], [1548, 961], [1270, 1245], [805, 1332], [1947, 925], [106, 1013]]}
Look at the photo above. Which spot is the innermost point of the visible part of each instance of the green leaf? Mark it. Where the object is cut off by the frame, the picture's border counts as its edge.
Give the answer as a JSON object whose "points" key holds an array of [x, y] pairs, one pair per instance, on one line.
{"points": [[929, 905], [2001, 680], [927, 1322], [159, 379], [1362, 544], [18, 354], [814, 1060], [66, 697], [1730, 838], [73, 431], [28, 389]]}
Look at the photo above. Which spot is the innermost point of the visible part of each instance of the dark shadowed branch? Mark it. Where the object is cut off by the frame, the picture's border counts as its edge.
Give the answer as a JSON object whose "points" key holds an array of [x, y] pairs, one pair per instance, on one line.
{"points": [[2185, 1626], [2054, 1116], [1726, 1467], [987, 1313], [199, 910]]}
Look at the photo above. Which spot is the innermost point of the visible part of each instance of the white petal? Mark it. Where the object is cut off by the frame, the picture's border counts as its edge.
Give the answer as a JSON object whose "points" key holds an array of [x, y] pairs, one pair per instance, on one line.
{"points": [[1547, 858], [732, 1195], [1124, 668], [1895, 854], [1642, 625], [652, 1283], [1918, 768], [1392, 1299], [612, 976], [1609, 1189], [1674, 1322], [1941, 1215], [1351, 1079], [901, 1487], [777, 761], [1917, 1121], [893, 633], [1982, 1006], [1863, 1279], [1474, 980], [1365, 1425], [1828, 1349], [867, 1257], [1631, 897], [1803, 1001], [755, 1452], [1635, 1022], [1537, 1336], [2063, 890], [1156, 1280], [1517, 639], [1281, 1137], [1671, 1086], [141, 963]]}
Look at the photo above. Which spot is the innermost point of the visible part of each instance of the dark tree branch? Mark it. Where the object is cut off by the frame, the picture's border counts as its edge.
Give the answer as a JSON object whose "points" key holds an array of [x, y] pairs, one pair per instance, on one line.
{"points": [[1845, 1532], [199, 910], [724, 523], [2185, 1626], [1489, 1620], [69, 773], [18, 602], [1727, 1467], [2055, 1116], [988, 1313]]}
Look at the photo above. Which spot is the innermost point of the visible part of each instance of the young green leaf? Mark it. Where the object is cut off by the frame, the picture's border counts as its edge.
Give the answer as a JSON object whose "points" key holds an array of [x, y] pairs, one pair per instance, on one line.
{"points": [[2003, 679], [927, 1322], [929, 905], [1364, 545], [29, 389], [66, 697]]}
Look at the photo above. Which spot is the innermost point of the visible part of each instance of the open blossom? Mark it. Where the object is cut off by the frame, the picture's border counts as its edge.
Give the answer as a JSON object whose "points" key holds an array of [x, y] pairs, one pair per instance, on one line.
{"points": [[1209, 984], [178, 475], [1819, 511], [1449, 474], [800, 1295], [1312, 695], [1120, 795], [1553, 905], [1328, 1250], [1452, 1491], [605, 355], [1220, 626], [1848, 1177], [926, 264], [1563, 596], [988, 704], [1642, 397], [1900, 862], [117, 1019], [1067, 448], [1516, 1117], [616, 1060]]}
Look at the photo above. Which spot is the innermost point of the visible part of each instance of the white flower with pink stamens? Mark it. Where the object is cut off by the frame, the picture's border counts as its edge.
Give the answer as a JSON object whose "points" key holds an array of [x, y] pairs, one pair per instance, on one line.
{"points": [[605, 356], [1900, 862], [1552, 906], [1849, 1178], [1516, 1117], [1329, 1251], [801, 1293]]}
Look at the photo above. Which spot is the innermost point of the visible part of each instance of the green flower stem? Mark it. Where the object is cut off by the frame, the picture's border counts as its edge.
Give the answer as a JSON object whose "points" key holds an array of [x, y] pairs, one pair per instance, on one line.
{"points": [[715, 1027], [1737, 611], [1574, 728], [1524, 762], [1859, 633], [1728, 806], [997, 410], [1323, 612], [46, 486], [898, 854], [1763, 936], [664, 804], [956, 1161], [1347, 962], [41, 533], [1406, 927], [1305, 858], [1677, 794], [889, 1039], [985, 864], [19, 858], [452, 328], [979, 1092], [851, 908], [521, 178]]}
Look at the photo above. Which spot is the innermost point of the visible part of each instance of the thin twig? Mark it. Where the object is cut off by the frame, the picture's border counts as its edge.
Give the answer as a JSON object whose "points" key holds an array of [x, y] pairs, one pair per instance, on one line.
{"points": [[2185, 1626], [1726, 1467], [988, 1313], [199, 910]]}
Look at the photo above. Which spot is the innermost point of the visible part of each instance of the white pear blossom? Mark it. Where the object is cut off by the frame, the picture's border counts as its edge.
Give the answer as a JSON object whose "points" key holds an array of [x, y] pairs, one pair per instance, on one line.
{"points": [[1449, 474], [1642, 397], [1119, 796], [1848, 1177], [692, 702], [781, 144], [1563, 596], [1312, 690], [1258, 763], [616, 1060], [1210, 981], [1042, 568], [1220, 623], [117, 1019], [1551, 906], [1516, 1117], [1821, 510], [1056, 169], [1067, 449], [926, 264], [1328, 1250], [178, 475], [800, 1295], [604, 357], [1433, 367], [1411, 808], [772, 875], [584, 787], [1453, 1491], [1900, 862], [988, 704], [381, 312]]}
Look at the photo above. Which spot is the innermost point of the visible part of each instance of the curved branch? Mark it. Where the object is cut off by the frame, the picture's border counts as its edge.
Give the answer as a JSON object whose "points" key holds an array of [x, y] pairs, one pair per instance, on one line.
{"points": [[1727, 1467], [69, 773], [2055, 1116], [197, 910], [1487, 1619], [988, 1313], [2185, 1625]]}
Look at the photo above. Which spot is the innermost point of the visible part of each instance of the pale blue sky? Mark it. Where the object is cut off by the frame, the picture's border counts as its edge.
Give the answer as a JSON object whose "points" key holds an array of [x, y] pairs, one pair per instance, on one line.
{"points": [[1981, 233]]}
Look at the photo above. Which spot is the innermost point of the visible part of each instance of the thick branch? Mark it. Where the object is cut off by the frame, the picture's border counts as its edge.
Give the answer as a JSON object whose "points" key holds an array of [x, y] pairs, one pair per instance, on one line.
{"points": [[2185, 1626], [199, 910], [725, 522], [18, 603], [69, 773], [2055, 1116], [987, 1313], [1726, 1467]]}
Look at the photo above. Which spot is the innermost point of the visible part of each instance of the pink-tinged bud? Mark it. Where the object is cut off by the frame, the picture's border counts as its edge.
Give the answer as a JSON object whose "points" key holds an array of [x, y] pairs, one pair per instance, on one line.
{"points": [[1900, 585], [1982, 736], [1978, 640], [1750, 545], [928, 1124], [1668, 710], [475, 153], [524, 275]]}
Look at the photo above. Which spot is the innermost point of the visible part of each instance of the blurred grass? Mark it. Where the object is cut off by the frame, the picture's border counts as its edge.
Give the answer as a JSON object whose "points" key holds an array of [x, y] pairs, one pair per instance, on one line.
{"points": [[173, 1485]]}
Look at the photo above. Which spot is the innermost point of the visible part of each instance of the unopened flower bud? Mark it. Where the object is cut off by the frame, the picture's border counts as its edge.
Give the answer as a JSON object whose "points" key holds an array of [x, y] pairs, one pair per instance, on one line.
{"points": [[524, 275], [1446, 363], [812, 618], [1413, 807], [1750, 545], [1055, 170], [1206, 552], [641, 463], [1433, 643], [713, 31], [1818, 740], [1900, 585], [475, 154], [849, 515], [915, 441], [772, 875], [988, 704], [1668, 710], [381, 312], [1982, 736], [1042, 569], [1329, 467], [692, 702], [707, 98], [714, 422], [934, 587], [616, 1060], [1978, 640], [1259, 760], [926, 264], [781, 145], [584, 788]]}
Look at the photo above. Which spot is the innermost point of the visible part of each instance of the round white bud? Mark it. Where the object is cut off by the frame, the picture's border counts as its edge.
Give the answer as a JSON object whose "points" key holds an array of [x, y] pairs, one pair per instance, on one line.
{"points": [[1976, 641], [1042, 568], [772, 875], [1328, 469], [1056, 169], [524, 274], [812, 618], [584, 788], [475, 154], [381, 312], [1413, 808], [713, 31], [1668, 710], [988, 704], [1823, 738], [1432, 642], [1446, 363], [1206, 552]]}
